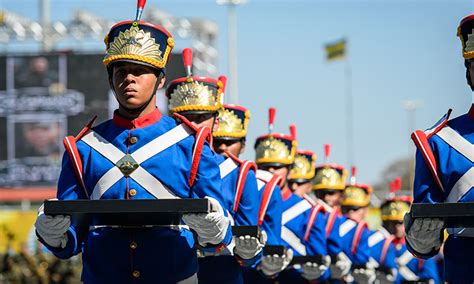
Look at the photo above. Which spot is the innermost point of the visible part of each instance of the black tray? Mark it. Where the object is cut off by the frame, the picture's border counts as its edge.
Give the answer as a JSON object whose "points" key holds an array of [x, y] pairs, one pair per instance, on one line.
{"points": [[274, 249], [126, 212], [454, 214], [307, 258], [253, 231]]}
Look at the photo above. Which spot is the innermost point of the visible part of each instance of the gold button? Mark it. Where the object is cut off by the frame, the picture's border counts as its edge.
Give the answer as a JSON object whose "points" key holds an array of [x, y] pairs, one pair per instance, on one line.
{"points": [[133, 140], [133, 192], [136, 273], [133, 245]]}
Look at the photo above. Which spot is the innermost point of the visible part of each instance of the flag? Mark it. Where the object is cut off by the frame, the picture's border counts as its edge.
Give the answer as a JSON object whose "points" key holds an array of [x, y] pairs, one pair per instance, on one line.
{"points": [[336, 50]]}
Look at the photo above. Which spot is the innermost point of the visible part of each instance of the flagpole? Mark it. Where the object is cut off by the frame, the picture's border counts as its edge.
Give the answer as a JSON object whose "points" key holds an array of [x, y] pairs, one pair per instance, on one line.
{"points": [[349, 113]]}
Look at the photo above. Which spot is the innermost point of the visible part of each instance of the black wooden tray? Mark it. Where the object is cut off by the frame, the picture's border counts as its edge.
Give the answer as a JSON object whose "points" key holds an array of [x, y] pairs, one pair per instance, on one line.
{"points": [[459, 214]]}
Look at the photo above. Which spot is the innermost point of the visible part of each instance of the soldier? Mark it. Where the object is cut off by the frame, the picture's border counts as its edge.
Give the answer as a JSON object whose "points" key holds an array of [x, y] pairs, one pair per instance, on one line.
{"points": [[300, 181], [198, 100], [230, 136], [139, 154], [444, 173], [410, 268], [354, 231], [302, 223], [328, 184]]}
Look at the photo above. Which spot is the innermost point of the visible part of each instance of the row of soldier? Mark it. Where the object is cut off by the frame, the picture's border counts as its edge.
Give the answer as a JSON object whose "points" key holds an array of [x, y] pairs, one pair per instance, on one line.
{"points": [[194, 153]]}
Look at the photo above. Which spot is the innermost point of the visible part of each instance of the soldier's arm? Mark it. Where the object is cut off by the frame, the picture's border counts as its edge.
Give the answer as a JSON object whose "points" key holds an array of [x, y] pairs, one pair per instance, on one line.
{"points": [[69, 189], [316, 241], [208, 183], [274, 211], [247, 213]]}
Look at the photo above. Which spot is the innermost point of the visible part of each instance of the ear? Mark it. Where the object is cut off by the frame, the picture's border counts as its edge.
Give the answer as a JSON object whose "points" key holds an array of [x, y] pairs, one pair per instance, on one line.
{"points": [[162, 82], [242, 148]]}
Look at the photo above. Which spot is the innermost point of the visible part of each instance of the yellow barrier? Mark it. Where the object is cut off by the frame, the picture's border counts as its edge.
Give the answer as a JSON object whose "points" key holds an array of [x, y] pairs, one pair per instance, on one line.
{"points": [[16, 228]]}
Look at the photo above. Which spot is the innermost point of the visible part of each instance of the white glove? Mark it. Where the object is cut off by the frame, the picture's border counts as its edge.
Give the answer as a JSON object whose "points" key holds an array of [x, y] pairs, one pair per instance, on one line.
{"points": [[312, 270], [385, 278], [364, 275], [211, 228], [341, 267], [248, 247], [52, 229], [273, 264], [423, 234]]}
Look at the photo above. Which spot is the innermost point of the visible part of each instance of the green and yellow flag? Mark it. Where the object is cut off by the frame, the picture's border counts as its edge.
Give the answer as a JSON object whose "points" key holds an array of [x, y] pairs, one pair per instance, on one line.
{"points": [[336, 50]]}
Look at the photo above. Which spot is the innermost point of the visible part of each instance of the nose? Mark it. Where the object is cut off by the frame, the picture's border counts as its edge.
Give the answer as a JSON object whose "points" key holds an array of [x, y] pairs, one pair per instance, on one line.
{"points": [[271, 169], [130, 77]]}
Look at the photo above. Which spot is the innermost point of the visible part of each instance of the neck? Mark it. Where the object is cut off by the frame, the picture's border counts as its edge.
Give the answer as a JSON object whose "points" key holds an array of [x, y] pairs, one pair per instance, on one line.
{"points": [[132, 115]]}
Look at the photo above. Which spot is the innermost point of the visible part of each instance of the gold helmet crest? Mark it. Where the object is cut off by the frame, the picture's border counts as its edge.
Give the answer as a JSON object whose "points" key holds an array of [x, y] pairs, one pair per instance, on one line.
{"points": [[233, 121]]}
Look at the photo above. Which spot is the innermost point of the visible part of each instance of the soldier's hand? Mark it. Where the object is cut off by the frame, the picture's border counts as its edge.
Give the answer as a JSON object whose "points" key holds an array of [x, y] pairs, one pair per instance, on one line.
{"points": [[423, 234], [52, 229], [341, 267], [364, 275], [211, 228], [273, 264], [248, 247], [312, 270]]}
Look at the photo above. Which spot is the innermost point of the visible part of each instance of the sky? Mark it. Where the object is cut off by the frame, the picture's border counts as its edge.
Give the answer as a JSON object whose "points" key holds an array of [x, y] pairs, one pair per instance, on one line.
{"points": [[398, 50]]}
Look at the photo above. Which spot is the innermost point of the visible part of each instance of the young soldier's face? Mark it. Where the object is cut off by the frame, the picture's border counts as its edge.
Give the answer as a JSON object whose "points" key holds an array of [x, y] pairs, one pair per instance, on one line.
{"points": [[302, 188], [133, 84], [333, 198], [200, 120], [234, 147], [282, 172]]}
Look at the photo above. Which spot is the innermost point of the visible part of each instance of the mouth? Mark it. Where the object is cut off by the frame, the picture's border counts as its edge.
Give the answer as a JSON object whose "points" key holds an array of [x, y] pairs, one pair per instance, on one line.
{"points": [[129, 91]]}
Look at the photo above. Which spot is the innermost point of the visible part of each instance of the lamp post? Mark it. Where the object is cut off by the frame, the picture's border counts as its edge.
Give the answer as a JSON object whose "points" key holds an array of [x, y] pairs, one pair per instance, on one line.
{"points": [[232, 46], [411, 106]]}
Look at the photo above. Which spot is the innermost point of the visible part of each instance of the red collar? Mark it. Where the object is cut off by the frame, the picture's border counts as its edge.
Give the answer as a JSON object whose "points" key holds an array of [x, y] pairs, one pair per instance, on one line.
{"points": [[138, 122], [397, 241], [471, 112], [285, 193]]}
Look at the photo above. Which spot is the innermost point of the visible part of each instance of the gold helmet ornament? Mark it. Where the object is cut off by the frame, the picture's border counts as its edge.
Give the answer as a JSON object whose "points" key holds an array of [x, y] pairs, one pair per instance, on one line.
{"points": [[275, 149], [194, 94], [356, 194], [303, 167], [233, 121], [395, 207], [138, 42], [329, 176], [466, 34]]}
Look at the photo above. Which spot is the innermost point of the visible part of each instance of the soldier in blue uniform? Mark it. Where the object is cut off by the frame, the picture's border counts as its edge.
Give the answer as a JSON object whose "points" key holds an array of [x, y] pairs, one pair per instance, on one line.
{"points": [[302, 223], [300, 181], [328, 183], [354, 231], [444, 173], [230, 136], [139, 154], [198, 99], [410, 268]]}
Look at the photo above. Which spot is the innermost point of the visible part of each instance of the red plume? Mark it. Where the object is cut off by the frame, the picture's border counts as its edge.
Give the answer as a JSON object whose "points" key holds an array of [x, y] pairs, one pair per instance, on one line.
{"points": [[293, 131], [223, 79], [353, 175], [188, 60], [392, 187], [271, 118], [140, 7], [398, 184], [327, 151]]}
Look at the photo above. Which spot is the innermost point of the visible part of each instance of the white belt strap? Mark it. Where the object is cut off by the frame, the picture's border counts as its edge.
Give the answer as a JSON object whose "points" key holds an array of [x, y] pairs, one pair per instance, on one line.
{"points": [[462, 186], [227, 167], [140, 175], [405, 258], [346, 227], [260, 184], [265, 176], [290, 238], [375, 238], [407, 274], [456, 141], [295, 211]]}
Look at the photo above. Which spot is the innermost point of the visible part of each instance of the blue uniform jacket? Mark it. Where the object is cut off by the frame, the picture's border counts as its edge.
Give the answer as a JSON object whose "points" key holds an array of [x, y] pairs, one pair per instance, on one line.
{"points": [[382, 251], [121, 255], [295, 220], [225, 268], [451, 145], [411, 268], [357, 250]]}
